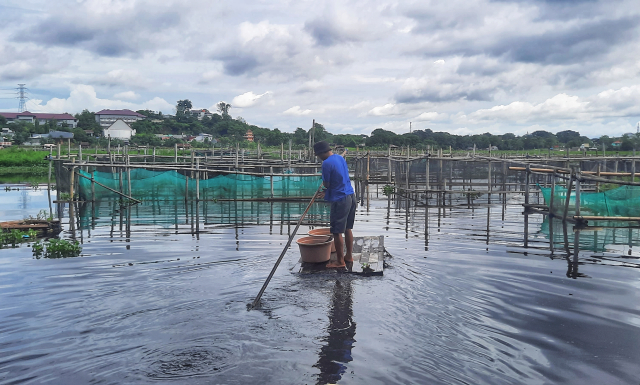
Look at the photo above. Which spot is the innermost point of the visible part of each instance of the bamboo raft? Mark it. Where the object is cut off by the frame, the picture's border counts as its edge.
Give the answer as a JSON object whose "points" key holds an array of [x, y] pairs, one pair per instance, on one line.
{"points": [[42, 226]]}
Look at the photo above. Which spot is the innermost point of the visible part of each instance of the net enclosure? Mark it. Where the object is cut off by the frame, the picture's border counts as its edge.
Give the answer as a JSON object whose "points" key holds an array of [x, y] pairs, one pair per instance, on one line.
{"points": [[623, 201], [171, 185]]}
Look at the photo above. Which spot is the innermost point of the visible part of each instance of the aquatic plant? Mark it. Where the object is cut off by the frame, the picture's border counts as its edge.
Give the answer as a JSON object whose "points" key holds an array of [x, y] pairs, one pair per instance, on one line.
{"points": [[56, 248], [15, 237], [43, 215], [388, 190]]}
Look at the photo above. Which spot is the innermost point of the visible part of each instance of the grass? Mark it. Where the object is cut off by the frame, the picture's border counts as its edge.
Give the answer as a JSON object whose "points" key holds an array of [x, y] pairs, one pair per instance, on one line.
{"points": [[20, 157]]}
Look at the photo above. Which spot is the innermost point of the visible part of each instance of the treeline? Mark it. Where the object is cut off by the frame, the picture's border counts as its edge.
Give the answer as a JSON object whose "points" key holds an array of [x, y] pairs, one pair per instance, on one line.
{"points": [[228, 131]]}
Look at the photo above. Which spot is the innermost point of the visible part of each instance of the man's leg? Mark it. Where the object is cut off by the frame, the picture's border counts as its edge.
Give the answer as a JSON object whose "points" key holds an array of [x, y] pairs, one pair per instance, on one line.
{"points": [[337, 239], [348, 239]]}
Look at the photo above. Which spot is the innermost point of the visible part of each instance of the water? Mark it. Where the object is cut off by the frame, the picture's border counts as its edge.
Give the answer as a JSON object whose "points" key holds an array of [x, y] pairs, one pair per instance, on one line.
{"points": [[164, 301]]}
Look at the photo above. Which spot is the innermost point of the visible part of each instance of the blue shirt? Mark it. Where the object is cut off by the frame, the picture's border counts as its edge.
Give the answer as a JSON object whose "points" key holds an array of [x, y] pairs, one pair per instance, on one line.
{"points": [[335, 173]]}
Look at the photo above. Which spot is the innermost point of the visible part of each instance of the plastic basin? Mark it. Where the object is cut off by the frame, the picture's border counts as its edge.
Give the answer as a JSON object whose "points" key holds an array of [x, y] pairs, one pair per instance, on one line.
{"points": [[315, 249], [324, 232]]}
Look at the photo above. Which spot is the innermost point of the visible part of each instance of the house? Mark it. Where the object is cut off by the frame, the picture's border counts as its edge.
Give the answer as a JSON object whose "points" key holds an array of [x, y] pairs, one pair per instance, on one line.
{"points": [[249, 136], [89, 132], [200, 114], [58, 135], [40, 118], [108, 117], [119, 130], [183, 146], [617, 143], [7, 133], [202, 137]]}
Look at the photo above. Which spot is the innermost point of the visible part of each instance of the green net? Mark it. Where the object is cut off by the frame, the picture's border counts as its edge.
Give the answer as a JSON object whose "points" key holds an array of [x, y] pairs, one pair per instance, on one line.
{"points": [[623, 201], [171, 185]]}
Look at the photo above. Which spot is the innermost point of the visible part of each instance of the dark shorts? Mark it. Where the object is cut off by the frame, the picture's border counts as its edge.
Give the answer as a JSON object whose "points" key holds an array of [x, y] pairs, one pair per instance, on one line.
{"points": [[343, 214]]}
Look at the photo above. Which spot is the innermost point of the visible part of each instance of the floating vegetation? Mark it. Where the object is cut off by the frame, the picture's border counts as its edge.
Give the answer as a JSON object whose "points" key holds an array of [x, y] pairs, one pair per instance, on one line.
{"points": [[15, 237], [388, 190], [56, 248]]}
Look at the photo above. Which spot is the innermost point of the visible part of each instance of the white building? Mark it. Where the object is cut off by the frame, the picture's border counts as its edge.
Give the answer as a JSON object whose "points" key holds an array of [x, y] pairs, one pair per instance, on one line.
{"points": [[108, 117], [119, 130], [200, 113], [202, 137]]}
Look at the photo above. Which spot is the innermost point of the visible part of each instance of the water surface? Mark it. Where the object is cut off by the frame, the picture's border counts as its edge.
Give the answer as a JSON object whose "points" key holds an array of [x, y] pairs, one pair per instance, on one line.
{"points": [[159, 295]]}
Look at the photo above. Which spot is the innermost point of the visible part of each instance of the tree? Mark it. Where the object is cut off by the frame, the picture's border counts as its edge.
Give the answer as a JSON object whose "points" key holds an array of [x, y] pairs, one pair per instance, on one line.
{"points": [[183, 106], [568, 135], [224, 109]]}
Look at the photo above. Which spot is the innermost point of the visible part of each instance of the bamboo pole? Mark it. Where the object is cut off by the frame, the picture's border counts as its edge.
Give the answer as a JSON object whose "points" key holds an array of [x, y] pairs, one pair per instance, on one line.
{"points": [[567, 199], [273, 270], [110, 189], [49, 183]]}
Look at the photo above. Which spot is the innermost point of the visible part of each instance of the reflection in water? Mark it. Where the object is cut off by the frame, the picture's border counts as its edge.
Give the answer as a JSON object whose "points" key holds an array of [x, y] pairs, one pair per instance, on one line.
{"points": [[194, 214], [336, 352]]}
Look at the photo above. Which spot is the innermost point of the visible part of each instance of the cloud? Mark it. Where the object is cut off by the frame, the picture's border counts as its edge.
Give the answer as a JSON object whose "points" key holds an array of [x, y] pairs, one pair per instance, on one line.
{"points": [[114, 29], [338, 26], [561, 106], [386, 110], [25, 63], [247, 99], [519, 31], [431, 117], [415, 90], [85, 97], [277, 50], [310, 86], [296, 111], [123, 77], [127, 95]]}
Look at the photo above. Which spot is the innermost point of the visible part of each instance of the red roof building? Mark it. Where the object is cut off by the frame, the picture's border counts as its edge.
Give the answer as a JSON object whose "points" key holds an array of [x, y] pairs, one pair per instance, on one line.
{"points": [[107, 117], [41, 118]]}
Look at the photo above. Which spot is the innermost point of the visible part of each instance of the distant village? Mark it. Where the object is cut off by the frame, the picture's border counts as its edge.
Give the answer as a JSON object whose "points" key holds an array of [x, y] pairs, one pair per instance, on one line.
{"points": [[202, 128], [114, 124]]}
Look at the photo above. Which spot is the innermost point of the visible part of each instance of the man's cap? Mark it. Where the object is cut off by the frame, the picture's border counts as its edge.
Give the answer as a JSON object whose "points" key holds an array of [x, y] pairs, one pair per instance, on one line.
{"points": [[321, 147]]}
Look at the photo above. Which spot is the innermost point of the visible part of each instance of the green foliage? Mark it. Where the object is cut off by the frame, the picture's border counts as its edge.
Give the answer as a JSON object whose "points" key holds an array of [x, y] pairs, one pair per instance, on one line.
{"points": [[19, 157], [388, 190], [56, 248], [15, 237], [41, 216], [223, 108]]}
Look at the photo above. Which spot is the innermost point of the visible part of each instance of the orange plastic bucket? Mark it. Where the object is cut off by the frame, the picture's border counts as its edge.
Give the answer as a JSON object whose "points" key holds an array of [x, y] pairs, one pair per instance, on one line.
{"points": [[315, 249], [324, 232]]}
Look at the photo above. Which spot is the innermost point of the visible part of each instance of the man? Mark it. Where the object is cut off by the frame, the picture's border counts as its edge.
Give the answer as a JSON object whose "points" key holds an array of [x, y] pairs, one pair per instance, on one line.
{"points": [[338, 191]]}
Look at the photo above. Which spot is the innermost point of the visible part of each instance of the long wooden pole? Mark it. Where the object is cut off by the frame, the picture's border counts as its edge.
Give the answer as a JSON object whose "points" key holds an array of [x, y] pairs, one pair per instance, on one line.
{"points": [[284, 251], [110, 189]]}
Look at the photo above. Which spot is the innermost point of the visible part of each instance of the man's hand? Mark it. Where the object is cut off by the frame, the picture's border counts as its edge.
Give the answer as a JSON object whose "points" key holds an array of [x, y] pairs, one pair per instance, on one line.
{"points": [[320, 194]]}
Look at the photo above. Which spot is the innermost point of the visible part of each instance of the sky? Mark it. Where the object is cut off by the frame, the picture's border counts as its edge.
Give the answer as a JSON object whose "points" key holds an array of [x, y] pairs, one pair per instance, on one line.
{"points": [[460, 66]]}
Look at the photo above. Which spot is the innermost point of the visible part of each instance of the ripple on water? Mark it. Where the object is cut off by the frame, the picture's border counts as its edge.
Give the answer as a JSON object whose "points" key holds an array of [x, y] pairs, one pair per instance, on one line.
{"points": [[186, 362]]}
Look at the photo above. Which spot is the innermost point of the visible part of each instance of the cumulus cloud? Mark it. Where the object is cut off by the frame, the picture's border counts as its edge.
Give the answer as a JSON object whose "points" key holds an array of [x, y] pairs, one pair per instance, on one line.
{"points": [[248, 99], [85, 97], [496, 65], [296, 111], [126, 95]]}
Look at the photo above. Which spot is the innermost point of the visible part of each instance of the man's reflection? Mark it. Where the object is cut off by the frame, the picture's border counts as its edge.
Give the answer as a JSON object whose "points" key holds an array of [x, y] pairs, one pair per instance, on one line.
{"points": [[336, 351]]}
